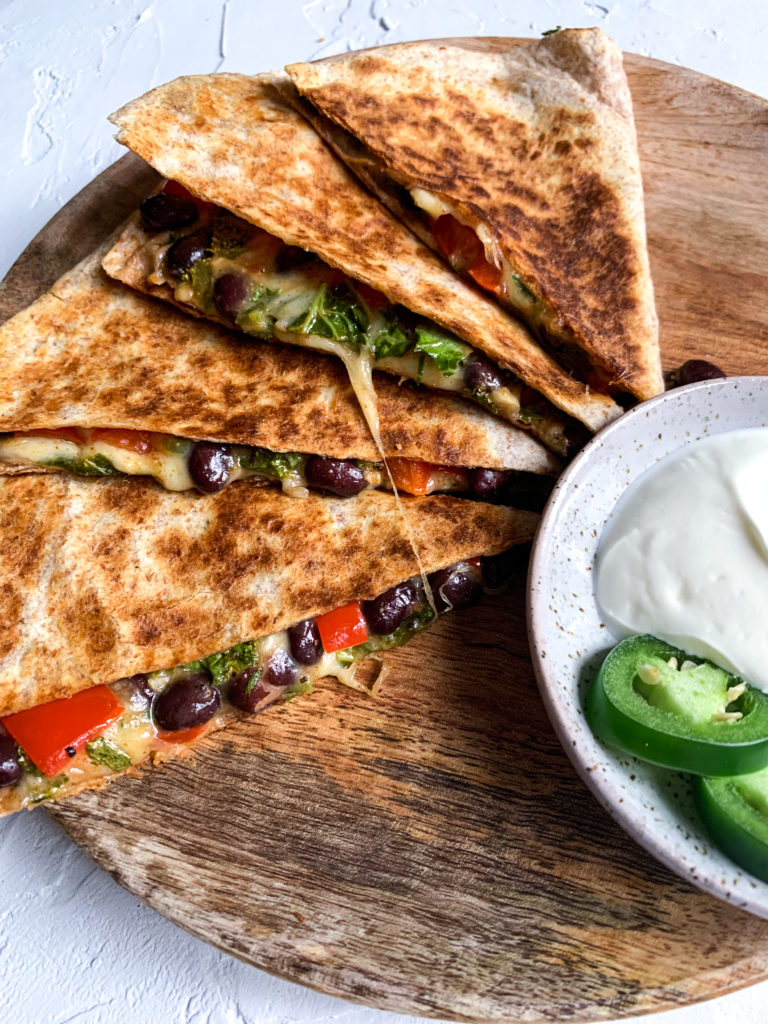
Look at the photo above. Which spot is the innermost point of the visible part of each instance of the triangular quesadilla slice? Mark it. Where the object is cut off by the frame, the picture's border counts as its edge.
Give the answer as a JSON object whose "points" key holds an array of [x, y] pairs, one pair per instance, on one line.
{"points": [[277, 237], [137, 620], [98, 379], [521, 167]]}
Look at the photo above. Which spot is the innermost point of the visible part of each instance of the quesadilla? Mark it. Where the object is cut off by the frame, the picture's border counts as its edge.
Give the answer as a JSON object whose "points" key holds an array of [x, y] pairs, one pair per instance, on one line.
{"points": [[137, 620], [261, 226], [100, 380], [521, 168]]}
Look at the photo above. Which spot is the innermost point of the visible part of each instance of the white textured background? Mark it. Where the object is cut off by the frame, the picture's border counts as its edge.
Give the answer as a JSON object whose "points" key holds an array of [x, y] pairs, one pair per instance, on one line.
{"points": [[74, 946]]}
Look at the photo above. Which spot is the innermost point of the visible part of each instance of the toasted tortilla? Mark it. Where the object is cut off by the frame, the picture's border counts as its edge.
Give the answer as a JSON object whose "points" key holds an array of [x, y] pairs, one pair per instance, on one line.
{"points": [[536, 146], [238, 142], [93, 353], [99, 581]]}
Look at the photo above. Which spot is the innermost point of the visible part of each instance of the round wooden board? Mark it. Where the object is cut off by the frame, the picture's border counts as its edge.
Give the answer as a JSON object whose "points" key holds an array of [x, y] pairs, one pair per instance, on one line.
{"points": [[432, 851]]}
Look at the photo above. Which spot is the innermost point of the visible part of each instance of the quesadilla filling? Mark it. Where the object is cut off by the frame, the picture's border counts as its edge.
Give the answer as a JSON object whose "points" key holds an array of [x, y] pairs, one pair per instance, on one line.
{"points": [[236, 273], [52, 749], [471, 250], [180, 464]]}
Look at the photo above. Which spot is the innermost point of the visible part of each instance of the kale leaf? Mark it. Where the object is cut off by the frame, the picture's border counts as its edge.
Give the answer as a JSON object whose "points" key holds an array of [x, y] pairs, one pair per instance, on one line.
{"points": [[524, 290], [272, 464], [101, 751], [200, 277], [94, 465], [298, 688], [334, 313], [27, 764], [448, 352], [254, 317], [254, 680], [53, 789], [226, 664], [484, 398], [391, 342]]}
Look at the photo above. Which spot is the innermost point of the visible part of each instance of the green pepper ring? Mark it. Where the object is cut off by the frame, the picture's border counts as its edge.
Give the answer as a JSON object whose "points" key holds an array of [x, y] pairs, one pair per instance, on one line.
{"points": [[623, 718], [738, 828]]}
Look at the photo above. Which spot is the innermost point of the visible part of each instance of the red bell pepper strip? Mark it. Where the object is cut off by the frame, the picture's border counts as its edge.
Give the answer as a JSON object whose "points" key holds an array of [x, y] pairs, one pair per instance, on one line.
{"points": [[464, 251], [411, 476], [181, 735], [45, 732], [343, 627], [133, 440]]}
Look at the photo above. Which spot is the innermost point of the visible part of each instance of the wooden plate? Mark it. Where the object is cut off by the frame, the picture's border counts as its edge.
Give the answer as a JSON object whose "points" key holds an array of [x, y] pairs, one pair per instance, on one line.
{"points": [[433, 851]]}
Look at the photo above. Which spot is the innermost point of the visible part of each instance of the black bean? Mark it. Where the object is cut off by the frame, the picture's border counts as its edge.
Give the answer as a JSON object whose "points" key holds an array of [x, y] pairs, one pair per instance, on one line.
{"points": [[480, 374], [183, 254], [306, 646], [698, 369], [487, 481], [244, 693], [281, 670], [190, 702], [140, 683], [458, 586], [10, 769], [164, 213], [230, 293], [498, 569], [339, 476], [291, 256], [387, 611], [210, 466]]}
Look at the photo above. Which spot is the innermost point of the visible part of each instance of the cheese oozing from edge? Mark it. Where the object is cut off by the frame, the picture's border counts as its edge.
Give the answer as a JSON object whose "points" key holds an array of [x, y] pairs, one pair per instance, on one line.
{"points": [[285, 296], [170, 466], [684, 555], [135, 738]]}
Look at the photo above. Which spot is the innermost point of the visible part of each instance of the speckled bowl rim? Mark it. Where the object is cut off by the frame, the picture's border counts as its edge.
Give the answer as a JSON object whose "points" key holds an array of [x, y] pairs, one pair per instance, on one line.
{"points": [[602, 770]]}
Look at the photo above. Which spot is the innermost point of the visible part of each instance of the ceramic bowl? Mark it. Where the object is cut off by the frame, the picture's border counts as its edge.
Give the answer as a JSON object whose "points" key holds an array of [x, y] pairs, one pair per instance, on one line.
{"points": [[569, 640]]}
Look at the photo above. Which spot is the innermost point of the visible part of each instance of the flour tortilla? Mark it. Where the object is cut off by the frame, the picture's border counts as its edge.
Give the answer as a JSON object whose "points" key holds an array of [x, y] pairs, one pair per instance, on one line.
{"points": [[99, 581], [238, 142], [93, 353], [534, 143]]}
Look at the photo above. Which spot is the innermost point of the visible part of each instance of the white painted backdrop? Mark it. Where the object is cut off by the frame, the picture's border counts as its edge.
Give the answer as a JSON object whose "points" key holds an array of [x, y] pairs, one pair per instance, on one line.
{"points": [[74, 946]]}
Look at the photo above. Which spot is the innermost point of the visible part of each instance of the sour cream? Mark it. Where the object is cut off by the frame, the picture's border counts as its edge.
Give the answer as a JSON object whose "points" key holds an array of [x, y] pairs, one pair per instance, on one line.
{"points": [[685, 554]]}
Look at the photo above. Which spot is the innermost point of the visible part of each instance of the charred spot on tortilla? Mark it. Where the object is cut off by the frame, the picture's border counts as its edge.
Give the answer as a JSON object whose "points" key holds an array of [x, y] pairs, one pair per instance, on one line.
{"points": [[548, 122], [278, 189]]}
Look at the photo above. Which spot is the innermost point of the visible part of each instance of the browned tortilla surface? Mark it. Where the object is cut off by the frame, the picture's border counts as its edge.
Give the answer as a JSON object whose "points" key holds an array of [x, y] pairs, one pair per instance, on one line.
{"points": [[538, 145], [99, 580], [239, 143], [93, 353]]}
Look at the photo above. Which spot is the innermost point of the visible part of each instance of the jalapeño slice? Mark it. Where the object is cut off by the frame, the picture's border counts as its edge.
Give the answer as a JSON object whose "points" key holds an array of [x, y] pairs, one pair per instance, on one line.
{"points": [[735, 813], [655, 701]]}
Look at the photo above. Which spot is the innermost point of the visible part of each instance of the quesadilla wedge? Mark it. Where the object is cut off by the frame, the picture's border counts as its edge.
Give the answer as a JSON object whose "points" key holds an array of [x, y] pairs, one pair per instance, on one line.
{"points": [[137, 620], [521, 168], [100, 380], [261, 226]]}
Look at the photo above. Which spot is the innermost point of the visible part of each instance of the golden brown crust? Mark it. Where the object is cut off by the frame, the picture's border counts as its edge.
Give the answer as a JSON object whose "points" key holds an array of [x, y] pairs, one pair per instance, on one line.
{"points": [[536, 143], [93, 353], [99, 580], [239, 143]]}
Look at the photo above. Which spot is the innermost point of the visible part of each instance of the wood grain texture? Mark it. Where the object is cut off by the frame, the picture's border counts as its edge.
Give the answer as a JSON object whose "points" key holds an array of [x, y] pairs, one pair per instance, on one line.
{"points": [[432, 851]]}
